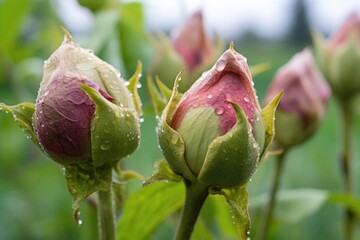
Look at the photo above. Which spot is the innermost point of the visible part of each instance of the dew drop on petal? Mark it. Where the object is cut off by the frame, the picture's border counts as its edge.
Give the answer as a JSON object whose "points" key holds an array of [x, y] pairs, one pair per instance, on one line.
{"points": [[105, 145], [209, 96], [174, 138], [219, 110], [246, 99], [220, 65]]}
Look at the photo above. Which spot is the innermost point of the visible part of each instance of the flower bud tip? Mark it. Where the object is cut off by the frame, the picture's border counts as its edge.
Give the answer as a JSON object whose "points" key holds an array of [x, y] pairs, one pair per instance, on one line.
{"points": [[67, 35], [232, 46]]}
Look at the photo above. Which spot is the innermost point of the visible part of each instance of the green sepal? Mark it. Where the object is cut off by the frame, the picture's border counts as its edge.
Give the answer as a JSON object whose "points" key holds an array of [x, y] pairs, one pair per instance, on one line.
{"points": [[162, 173], [115, 131], [133, 88], [259, 68], [320, 52], [344, 71], [170, 141], [23, 116], [237, 199], [268, 115], [165, 91], [232, 158], [83, 179], [167, 61], [158, 101]]}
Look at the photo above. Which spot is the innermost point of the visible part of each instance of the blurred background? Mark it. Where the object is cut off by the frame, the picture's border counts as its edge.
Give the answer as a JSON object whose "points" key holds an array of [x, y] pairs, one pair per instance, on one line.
{"points": [[34, 203]]}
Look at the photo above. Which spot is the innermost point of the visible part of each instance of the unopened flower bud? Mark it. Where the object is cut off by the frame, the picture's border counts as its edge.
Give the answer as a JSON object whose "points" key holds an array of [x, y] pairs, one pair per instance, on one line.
{"points": [[84, 112], [304, 101], [189, 46], [339, 58], [215, 133]]}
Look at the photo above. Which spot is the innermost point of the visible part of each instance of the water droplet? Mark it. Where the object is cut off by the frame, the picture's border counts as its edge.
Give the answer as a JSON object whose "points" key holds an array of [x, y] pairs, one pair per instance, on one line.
{"points": [[174, 138], [219, 110], [128, 121], [79, 222], [138, 85], [127, 83], [246, 99], [245, 59], [220, 65], [257, 119], [209, 96], [105, 145], [41, 100], [139, 75], [42, 124], [141, 119]]}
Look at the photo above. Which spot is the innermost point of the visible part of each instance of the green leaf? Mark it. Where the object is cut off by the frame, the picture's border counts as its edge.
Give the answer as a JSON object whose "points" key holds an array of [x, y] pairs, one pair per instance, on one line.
{"points": [[133, 88], [146, 209], [259, 68], [268, 114], [292, 205], [133, 39], [347, 200], [84, 179], [163, 173], [157, 99], [23, 116], [12, 13], [238, 198]]}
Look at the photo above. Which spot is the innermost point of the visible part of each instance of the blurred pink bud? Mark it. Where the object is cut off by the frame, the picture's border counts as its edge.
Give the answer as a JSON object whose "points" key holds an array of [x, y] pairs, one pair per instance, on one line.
{"points": [[192, 42], [304, 102], [350, 26]]}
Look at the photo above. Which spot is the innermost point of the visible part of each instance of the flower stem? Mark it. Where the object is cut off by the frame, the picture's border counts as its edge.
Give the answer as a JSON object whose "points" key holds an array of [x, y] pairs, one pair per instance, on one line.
{"points": [[345, 158], [269, 209], [196, 194], [106, 216]]}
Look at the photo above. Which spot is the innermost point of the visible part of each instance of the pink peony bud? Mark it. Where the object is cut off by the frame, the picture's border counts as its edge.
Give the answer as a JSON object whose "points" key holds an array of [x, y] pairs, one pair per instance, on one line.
{"points": [[350, 26], [216, 132], [339, 58], [304, 101], [192, 42]]}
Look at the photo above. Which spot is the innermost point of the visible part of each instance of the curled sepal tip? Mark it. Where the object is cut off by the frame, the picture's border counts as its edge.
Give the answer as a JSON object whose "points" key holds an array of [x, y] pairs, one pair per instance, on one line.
{"points": [[133, 87], [162, 173], [115, 130], [23, 116], [82, 180], [67, 35], [268, 114], [237, 198]]}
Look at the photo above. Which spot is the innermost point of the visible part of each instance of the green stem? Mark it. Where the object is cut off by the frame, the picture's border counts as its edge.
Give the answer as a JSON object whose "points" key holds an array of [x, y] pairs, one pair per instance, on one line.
{"points": [[269, 210], [106, 216], [345, 163], [194, 199]]}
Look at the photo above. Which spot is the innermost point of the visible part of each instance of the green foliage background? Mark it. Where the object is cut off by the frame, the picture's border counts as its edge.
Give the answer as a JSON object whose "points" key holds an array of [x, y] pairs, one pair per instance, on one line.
{"points": [[34, 203]]}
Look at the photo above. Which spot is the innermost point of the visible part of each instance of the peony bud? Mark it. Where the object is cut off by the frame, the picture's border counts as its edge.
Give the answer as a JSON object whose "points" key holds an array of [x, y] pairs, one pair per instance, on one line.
{"points": [[304, 102], [84, 112], [216, 133], [191, 42], [339, 58], [189, 46]]}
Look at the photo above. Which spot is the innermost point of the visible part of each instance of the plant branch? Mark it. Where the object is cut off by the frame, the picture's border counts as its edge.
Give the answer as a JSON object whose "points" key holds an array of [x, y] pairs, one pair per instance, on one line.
{"points": [[196, 194], [269, 209], [345, 162], [106, 216]]}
